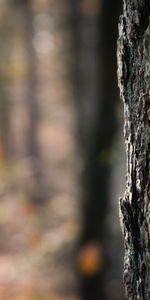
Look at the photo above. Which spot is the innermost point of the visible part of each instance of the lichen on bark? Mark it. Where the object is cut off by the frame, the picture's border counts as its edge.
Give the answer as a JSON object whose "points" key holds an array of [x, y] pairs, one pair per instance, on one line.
{"points": [[134, 82]]}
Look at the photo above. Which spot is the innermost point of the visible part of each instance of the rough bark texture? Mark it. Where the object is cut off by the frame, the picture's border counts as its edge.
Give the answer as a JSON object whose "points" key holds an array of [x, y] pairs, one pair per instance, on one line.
{"points": [[134, 82]]}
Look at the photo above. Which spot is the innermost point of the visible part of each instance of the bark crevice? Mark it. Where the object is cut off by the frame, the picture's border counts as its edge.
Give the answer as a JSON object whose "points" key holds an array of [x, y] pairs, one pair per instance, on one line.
{"points": [[134, 83]]}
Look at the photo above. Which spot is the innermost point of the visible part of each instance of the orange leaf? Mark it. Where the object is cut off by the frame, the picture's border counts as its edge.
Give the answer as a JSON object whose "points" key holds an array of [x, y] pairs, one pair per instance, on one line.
{"points": [[29, 208], [35, 239], [90, 259], [2, 153]]}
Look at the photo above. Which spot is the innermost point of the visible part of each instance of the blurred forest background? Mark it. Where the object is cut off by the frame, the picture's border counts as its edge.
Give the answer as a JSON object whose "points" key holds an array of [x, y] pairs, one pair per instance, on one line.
{"points": [[61, 151]]}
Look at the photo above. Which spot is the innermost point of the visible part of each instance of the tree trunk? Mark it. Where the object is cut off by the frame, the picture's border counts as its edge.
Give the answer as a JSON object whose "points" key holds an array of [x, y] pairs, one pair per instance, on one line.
{"points": [[97, 94], [5, 139], [36, 191], [134, 82]]}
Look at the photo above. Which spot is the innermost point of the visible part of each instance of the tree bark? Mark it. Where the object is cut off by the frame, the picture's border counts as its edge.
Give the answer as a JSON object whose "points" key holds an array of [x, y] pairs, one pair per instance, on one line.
{"points": [[134, 82]]}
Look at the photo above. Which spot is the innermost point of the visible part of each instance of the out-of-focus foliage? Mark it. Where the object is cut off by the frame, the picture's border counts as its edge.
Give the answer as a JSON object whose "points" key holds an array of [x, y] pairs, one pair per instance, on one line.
{"points": [[37, 238], [90, 259], [40, 163]]}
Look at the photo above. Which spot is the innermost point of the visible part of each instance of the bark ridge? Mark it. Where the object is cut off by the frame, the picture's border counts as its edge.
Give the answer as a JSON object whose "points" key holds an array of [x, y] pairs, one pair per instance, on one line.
{"points": [[134, 82]]}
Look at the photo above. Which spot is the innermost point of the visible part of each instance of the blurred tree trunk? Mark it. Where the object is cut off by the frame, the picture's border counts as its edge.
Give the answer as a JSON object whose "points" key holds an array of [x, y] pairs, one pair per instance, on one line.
{"points": [[36, 189], [96, 36], [6, 144], [134, 81], [37, 193], [5, 136]]}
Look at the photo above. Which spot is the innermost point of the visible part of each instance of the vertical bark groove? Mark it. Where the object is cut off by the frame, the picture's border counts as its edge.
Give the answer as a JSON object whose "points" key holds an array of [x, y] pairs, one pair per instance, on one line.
{"points": [[134, 83]]}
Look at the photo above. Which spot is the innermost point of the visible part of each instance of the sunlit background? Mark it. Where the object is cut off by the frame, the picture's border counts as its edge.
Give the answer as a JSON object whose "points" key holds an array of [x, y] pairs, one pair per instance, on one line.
{"points": [[62, 163]]}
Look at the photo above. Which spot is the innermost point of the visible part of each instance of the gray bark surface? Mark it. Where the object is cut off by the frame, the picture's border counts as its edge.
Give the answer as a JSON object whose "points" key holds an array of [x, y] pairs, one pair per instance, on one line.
{"points": [[134, 83]]}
